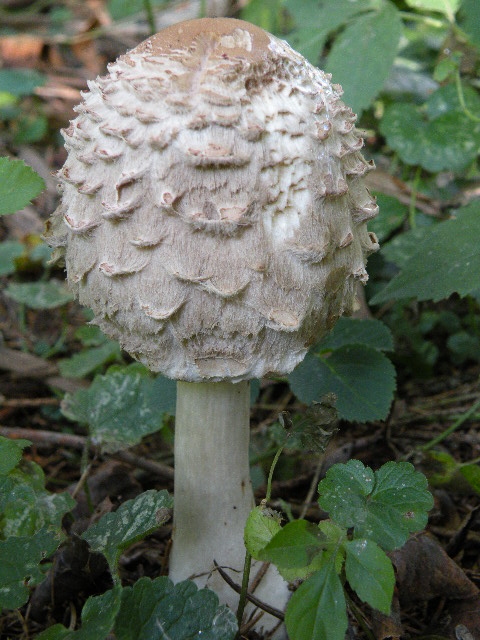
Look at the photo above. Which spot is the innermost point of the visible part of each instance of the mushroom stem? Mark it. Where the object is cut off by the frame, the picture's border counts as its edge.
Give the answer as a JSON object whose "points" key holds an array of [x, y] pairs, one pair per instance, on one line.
{"points": [[213, 492]]}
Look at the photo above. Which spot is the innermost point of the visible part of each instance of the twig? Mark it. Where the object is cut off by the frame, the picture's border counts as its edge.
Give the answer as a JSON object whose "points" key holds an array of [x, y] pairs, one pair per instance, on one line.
{"points": [[463, 418], [51, 438], [313, 486], [17, 403], [276, 613]]}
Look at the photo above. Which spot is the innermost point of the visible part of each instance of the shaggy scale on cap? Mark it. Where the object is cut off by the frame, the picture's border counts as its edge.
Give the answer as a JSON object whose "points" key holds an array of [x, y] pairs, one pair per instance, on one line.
{"points": [[214, 213]]}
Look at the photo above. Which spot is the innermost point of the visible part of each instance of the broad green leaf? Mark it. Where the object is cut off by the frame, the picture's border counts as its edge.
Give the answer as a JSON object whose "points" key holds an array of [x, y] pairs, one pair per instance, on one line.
{"points": [[90, 335], [471, 473], [335, 547], [262, 524], [122, 406], [39, 295], [267, 14], [132, 521], [464, 346], [446, 100], [158, 610], [89, 360], [19, 183], [440, 137], [11, 453], [353, 331], [362, 378], [447, 7], [447, 261], [19, 566], [315, 21], [295, 545], [20, 82], [385, 507], [317, 609], [370, 573], [26, 506], [98, 618], [391, 217], [363, 54], [401, 248], [469, 20], [9, 251]]}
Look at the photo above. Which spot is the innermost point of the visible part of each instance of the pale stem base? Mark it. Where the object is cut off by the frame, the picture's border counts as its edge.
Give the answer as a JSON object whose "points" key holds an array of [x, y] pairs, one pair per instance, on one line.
{"points": [[213, 493]]}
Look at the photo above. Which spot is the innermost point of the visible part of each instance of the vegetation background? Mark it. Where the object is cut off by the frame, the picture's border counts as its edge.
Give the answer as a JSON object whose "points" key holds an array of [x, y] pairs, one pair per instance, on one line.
{"points": [[405, 372]]}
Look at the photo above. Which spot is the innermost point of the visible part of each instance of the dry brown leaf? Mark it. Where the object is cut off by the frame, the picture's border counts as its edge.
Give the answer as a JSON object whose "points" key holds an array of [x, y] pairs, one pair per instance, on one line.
{"points": [[20, 50]]}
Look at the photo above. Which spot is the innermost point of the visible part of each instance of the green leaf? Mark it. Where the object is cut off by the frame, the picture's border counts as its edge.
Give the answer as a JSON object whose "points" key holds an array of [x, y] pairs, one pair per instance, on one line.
{"points": [[370, 573], [439, 137], [317, 609], [353, 331], [132, 521], [262, 524], [19, 568], [39, 295], [362, 379], [267, 14], [158, 610], [26, 506], [471, 473], [401, 248], [85, 362], [464, 346], [20, 82], [11, 453], [335, 547], [122, 407], [447, 261], [316, 21], [19, 183], [384, 507], [362, 56], [98, 618], [391, 217], [295, 545], [447, 7], [469, 20], [10, 250]]}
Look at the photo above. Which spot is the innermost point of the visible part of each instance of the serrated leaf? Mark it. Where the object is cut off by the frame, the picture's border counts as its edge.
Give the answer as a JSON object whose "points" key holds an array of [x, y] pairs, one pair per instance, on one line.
{"points": [[363, 54], [362, 378], [262, 524], [19, 183], [447, 7], [317, 609], [89, 360], [122, 406], [98, 618], [335, 547], [10, 250], [447, 261], [132, 521], [19, 566], [353, 331], [385, 508], [39, 295], [11, 453], [158, 610], [370, 573], [295, 545], [391, 217], [20, 82]]}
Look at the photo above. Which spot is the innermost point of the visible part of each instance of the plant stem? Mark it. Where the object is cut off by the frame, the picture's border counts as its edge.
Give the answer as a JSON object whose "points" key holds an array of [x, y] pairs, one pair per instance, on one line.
{"points": [[150, 16], [461, 98], [243, 595], [270, 475], [463, 418]]}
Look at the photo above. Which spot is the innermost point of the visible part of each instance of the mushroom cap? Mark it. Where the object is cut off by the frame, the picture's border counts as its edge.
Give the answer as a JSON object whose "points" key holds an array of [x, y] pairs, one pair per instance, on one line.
{"points": [[214, 211]]}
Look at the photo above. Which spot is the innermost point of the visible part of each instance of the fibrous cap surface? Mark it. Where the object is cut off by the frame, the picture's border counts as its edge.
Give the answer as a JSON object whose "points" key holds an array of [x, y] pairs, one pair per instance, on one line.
{"points": [[214, 211]]}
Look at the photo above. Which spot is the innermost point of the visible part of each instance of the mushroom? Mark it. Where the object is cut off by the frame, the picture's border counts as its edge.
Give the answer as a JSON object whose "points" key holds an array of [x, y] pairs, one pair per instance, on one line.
{"points": [[214, 216]]}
